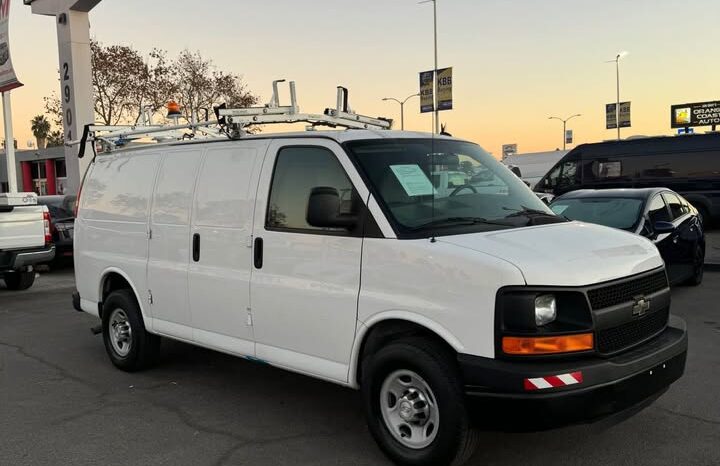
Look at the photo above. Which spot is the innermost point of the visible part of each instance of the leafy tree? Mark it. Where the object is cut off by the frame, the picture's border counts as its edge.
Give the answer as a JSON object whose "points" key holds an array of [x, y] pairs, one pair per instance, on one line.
{"points": [[41, 129], [55, 138]]}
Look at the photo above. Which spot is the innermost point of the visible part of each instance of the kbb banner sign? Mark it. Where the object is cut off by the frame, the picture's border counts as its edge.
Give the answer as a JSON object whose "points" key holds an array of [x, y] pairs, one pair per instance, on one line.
{"points": [[427, 98], [8, 79]]}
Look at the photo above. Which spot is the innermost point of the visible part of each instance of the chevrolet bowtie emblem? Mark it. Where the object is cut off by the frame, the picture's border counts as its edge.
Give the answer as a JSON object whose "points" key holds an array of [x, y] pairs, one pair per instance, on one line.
{"points": [[642, 305]]}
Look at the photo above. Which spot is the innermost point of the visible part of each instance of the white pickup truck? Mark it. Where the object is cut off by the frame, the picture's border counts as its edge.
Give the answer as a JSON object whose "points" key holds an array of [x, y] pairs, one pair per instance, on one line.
{"points": [[25, 239]]}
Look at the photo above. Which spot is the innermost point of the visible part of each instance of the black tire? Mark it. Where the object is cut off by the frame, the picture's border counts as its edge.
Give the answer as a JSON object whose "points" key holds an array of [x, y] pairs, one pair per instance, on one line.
{"points": [[704, 215], [143, 346], [455, 440], [698, 267], [17, 281]]}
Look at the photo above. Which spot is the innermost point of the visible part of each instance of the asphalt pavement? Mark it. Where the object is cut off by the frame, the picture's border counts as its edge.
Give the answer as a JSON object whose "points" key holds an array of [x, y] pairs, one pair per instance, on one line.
{"points": [[62, 403]]}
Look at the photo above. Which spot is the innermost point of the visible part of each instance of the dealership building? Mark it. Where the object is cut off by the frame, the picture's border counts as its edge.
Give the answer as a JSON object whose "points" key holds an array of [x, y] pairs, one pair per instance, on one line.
{"points": [[41, 170]]}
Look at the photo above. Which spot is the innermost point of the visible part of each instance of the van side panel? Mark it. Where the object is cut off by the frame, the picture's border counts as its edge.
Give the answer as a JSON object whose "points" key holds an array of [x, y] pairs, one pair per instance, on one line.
{"points": [[112, 227], [219, 281], [169, 250]]}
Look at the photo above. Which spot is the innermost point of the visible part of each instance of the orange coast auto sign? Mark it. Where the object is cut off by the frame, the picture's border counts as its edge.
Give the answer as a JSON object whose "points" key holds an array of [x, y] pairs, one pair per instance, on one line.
{"points": [[8, 79], [697, 114]]}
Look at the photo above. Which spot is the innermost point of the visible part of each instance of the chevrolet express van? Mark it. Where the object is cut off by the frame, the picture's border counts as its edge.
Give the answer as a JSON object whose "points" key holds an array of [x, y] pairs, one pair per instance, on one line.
{"points": [[382, 261]]}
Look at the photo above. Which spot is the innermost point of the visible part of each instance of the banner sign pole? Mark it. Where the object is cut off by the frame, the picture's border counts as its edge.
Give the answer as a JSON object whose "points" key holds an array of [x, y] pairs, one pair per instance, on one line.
{"points": [[8, 82]]}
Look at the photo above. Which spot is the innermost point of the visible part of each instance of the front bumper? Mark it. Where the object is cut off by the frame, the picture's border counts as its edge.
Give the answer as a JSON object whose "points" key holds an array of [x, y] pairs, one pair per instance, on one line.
{"points": [[498, 399], [19, 258]]}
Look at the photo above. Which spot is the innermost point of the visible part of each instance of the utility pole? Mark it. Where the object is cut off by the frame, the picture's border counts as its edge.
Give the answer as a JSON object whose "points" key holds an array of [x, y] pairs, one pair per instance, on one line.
{"points": [[402, 108], [564, 122]]}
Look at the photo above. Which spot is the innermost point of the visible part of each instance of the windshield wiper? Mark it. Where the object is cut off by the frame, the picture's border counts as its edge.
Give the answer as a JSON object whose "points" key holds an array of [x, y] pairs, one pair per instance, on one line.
{"points": [[535, 213], [527, 212], [458, 221]]}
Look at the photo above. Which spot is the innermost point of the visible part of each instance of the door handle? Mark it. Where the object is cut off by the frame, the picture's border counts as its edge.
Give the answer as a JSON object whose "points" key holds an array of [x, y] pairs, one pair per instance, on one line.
{"points": [[196, 247], [258, 253]]}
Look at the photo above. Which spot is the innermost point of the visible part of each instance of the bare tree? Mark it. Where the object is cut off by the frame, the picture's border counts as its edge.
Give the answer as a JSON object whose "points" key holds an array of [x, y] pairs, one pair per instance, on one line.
{"points": [[125, 84], [117, 75], [199, 85]]}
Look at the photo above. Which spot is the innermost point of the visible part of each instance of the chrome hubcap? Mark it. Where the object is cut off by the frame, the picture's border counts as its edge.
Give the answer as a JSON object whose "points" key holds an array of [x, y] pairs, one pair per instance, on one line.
{"points": [[120, 332], [409, 409]]}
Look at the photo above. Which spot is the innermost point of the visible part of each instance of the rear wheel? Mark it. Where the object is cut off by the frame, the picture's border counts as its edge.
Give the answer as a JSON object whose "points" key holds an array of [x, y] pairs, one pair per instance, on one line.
{"points": [[414, 404], [129, 345], [17, 281]]}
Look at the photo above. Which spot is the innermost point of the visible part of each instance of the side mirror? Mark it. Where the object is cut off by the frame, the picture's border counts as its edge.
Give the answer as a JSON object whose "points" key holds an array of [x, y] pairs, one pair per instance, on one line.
{"points": [[324, 210], [663, 227]]}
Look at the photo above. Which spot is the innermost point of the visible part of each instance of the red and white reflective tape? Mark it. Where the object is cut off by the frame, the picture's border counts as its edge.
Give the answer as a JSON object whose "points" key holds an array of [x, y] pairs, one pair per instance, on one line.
{"points": [[553, 381]]}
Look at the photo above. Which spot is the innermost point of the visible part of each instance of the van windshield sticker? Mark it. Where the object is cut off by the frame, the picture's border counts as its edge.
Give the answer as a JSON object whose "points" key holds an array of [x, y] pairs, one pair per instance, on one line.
{"points": [[413, 180], [559, 209]]}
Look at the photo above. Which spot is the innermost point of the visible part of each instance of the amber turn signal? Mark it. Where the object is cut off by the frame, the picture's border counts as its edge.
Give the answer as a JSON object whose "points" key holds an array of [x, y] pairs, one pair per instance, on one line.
{"points": [[547, 345]]}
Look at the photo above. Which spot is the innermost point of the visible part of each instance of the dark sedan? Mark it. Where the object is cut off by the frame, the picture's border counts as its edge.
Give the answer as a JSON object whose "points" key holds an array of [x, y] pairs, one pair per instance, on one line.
{"points": [[661, 215], [62, 222]]}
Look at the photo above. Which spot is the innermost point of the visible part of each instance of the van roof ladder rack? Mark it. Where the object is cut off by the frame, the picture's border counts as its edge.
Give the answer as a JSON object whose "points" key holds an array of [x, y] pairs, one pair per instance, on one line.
{"points": [[233, 123]]}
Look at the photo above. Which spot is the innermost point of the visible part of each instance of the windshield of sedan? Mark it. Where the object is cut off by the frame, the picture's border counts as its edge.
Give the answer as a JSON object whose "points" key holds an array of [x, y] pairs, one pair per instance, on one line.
{"points": [[438, 185], [623, 213]]}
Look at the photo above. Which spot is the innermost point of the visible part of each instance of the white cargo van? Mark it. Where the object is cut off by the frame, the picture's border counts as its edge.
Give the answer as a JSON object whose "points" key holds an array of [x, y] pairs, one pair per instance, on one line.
{"points": [[371, 259]]}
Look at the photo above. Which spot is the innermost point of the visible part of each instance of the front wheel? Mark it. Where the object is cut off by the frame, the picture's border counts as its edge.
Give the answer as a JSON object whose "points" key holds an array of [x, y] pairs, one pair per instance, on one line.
{"points": [[414, 404], [698, 267], [128, 344], [18, 281]]}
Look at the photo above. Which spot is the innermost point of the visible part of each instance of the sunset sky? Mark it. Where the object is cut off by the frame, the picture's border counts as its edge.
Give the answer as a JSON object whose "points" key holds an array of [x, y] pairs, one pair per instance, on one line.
{"points": [[516, 62]]}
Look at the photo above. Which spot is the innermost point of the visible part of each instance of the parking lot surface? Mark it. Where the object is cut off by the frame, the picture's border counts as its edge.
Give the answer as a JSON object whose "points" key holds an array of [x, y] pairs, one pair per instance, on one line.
{"points": [[62, 402]]}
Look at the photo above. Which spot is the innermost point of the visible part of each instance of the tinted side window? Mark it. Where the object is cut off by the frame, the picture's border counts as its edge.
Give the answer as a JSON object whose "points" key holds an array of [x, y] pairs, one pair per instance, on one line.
{"points": [[676, 209], [297, 171], [658, 211]]}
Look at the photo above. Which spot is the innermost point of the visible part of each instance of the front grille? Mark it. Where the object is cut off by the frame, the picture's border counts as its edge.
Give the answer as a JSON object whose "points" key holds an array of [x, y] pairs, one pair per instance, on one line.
{"points": [[618, 293], [623, 336]]}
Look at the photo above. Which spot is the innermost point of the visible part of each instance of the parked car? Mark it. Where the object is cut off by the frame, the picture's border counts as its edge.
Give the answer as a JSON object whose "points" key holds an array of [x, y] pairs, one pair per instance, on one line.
{"points": [[660, 215], [335, 255], [25, 239], [62, 222], [689, 165]]}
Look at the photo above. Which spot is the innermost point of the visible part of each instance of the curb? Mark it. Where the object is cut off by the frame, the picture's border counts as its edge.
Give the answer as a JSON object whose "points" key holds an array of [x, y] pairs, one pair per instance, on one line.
{"points": [[712, 267]]}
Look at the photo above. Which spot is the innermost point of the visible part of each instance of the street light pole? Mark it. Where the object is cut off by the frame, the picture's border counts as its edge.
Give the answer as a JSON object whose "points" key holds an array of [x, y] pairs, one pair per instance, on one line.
{"points": [[617, 106], [617, 81], [402, 108], [436, 114], [564, 122]]}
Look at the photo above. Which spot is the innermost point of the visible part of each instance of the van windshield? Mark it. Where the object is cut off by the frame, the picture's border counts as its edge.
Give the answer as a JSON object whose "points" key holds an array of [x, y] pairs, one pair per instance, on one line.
{"points": [[439, 186]]}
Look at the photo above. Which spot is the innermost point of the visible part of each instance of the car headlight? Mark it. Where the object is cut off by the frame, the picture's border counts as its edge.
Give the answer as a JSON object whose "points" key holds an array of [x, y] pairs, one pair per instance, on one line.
{"points": [[545, 309]]}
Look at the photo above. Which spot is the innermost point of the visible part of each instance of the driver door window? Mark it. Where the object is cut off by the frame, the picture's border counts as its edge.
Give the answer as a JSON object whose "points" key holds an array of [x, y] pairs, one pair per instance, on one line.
{"points": [[297, 171], [676, 208], [569, 175]]}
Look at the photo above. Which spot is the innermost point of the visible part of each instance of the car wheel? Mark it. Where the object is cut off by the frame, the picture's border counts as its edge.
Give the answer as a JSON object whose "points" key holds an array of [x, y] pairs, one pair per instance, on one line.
{"points": [[704, 216], [18, 281], [698, 267], [414, 404], [129, 345]]}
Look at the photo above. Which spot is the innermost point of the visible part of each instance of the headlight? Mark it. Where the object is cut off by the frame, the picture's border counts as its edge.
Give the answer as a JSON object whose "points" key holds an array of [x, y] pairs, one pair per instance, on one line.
{"points": [[545, 309]]}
